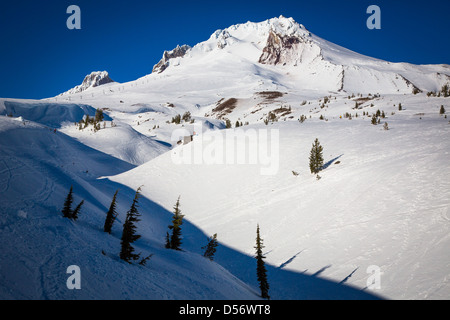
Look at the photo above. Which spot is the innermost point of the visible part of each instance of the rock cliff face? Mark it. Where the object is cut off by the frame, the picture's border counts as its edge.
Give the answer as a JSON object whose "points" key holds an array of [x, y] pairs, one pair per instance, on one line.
{"points": [[94, 79], [278, 48], [178, 52]]}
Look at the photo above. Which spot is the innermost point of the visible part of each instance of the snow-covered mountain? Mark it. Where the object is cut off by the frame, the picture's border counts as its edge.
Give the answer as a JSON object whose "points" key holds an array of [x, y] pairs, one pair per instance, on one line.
{"points": [[382, 199], [309, 61], [92, 80]]}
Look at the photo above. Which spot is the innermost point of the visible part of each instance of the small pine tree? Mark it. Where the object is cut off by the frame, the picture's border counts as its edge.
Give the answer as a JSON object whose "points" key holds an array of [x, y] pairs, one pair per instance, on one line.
{"points": [[176, 119], [67, 209], [442, 110], [400, 108], [86, 121], [237, 124], [187, 116], [316, 157], [98, 116], [374, 120], [261, 272], [210, 248], [167, 245], [228, 123], [177, 221], [129, 231], [77, 210], [111, 215], [143, 262]]}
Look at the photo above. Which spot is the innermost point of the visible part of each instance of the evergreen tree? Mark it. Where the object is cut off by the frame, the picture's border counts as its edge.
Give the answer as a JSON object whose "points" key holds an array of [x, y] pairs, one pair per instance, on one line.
{"points": [[167, 245], [177, 221], [210, 248], [261, 272], [111, 215], [98, 116], [316, 157], [143, 262], [442, 110], [67, 209], [187, 116], [129, 231], [86, 121], [77, 210], [374, 120]]}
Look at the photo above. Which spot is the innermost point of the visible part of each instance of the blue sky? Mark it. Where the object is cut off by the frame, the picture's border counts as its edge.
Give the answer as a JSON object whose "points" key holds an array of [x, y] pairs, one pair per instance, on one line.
{"points": [[40, 57]]}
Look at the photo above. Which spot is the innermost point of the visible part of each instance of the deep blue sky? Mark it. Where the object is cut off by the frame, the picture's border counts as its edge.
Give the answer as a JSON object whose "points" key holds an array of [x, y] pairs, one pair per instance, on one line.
{"points": [[40, 57]]}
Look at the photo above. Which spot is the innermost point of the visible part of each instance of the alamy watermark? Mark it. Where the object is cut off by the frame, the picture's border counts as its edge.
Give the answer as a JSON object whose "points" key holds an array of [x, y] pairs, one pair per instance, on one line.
{"points": [[259, 147], [74, 281], [74, 20], [374, 21]]}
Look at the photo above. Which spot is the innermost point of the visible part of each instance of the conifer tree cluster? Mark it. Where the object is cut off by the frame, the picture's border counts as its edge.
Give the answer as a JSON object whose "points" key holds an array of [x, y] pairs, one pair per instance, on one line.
{"points": [[445, 92], [129, 235], [95, 122], [67, 208]]}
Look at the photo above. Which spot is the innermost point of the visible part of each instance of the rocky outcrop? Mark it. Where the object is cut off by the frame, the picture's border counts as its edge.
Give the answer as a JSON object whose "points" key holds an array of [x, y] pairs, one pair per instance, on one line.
{"points": [[278, 47], [178, 52], [94, 79]]}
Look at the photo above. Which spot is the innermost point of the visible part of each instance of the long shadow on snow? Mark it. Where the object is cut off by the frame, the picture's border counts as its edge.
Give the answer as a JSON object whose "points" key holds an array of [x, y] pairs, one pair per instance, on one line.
{"points": [[284, 284], [329, 163]]}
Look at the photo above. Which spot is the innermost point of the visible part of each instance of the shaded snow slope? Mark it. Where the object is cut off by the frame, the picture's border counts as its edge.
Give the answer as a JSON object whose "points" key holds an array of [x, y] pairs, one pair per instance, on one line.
{"points": [[37, 168], [49, 114]]}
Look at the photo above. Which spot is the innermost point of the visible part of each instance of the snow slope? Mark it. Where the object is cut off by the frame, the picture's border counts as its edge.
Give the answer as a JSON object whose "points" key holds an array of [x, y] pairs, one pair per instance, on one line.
{"points": [[382, 200], [38, 244], [49, 114], [386, 203]]}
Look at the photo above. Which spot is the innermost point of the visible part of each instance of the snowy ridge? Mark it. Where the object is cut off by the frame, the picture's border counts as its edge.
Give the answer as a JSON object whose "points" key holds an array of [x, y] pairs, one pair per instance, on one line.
{"points": [[92, 80], [316, 61]]}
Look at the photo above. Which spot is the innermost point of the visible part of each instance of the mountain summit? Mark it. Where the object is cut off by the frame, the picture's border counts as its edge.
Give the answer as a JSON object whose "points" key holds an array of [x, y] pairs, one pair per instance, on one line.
{"points": [[302, 60], [92, 80]]}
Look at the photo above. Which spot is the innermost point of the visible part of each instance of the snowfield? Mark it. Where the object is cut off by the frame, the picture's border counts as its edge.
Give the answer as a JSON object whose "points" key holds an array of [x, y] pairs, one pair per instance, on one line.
{"points": [[374, 224]]}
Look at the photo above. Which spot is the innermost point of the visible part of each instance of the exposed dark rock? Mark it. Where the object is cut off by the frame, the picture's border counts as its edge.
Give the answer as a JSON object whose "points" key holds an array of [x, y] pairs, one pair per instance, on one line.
{"points": [[167, 55], [276, 46]]}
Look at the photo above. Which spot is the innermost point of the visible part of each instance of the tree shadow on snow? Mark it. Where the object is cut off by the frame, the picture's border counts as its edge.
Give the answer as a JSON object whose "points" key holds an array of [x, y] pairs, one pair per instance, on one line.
{"points": [[329, 163]]}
